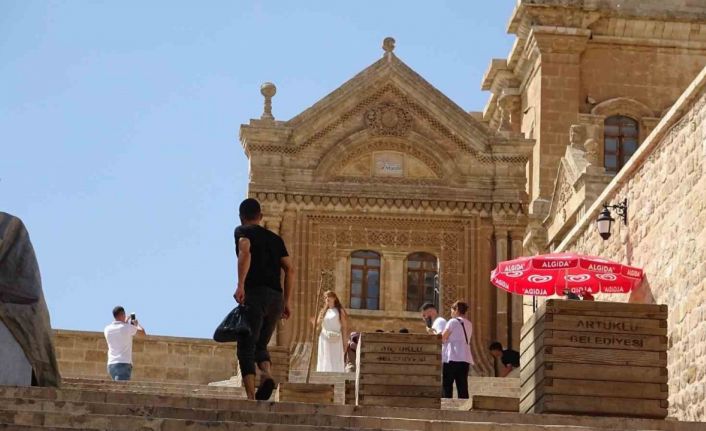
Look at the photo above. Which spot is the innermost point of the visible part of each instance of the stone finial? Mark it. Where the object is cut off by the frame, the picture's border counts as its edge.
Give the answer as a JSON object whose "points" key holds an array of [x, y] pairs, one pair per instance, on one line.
{"points": [[388, 45], [268, 90]]}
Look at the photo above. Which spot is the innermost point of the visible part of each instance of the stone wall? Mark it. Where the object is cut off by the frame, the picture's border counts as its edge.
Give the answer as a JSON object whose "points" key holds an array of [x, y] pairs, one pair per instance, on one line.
{"points": [[665, 185], [155, 358]]}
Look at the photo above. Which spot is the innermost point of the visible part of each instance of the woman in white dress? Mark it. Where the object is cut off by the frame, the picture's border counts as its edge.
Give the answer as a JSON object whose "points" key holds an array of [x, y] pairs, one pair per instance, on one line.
{"points": [[334, 323]]}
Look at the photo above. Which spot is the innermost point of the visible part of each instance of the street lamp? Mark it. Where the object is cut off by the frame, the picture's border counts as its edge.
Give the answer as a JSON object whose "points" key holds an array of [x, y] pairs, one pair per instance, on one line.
{"points": [[605, 221]]}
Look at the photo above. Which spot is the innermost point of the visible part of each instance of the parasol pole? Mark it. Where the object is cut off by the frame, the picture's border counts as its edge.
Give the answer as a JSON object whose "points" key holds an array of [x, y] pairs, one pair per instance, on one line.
{"points": [[317, 298]]}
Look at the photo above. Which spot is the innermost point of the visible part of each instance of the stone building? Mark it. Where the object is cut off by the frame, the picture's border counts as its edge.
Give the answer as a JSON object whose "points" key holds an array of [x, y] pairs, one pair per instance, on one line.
{"points": [[386, 175], [385, 190], [613, 94]]}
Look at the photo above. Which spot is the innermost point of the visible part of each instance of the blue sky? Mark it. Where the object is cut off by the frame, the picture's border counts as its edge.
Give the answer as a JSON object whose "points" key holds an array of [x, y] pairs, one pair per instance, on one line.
{"points": [[119, 129]]}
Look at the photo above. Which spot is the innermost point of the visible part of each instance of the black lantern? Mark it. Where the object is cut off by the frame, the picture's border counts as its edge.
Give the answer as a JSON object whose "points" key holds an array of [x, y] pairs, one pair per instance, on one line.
{"points": [[604, 223]]}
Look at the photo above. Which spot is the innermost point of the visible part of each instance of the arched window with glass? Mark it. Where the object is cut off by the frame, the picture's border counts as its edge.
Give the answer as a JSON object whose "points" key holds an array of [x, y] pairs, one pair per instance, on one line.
{"points": [[365, 280], [422, 275], [621, 139]]}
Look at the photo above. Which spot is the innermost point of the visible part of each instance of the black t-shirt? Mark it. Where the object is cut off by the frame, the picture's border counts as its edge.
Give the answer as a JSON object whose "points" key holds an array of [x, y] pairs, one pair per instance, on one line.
{"points": [[510, 357], [266, 250]]}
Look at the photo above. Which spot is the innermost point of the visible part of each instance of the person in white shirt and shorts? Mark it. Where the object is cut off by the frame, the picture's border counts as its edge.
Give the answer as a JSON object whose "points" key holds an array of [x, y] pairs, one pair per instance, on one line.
{"points": [[119, 335]]}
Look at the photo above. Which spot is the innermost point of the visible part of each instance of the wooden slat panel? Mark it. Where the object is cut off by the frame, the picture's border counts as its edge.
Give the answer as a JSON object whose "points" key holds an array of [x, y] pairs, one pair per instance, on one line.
{"points": [[418, 370], [597, 388], [605, 356], [615, 373], [432, 391], [402, 349], [373, 400], [383, 337], [386, 358], [607, 309], [597, 340], [614, 325], [599, 406], [398, 379]]}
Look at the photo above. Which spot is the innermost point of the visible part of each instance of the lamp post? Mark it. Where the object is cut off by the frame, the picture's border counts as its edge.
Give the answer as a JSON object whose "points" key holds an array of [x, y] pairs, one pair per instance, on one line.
{"points": [[604, 223]]}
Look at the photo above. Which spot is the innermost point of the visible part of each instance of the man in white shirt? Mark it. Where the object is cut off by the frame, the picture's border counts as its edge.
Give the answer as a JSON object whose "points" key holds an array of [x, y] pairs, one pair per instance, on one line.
{"points": [[119, 335], [435, 323]]}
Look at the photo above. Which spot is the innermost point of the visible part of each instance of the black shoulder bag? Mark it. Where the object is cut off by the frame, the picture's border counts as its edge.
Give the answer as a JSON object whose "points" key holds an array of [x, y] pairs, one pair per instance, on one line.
{"points": [[233, 326]]}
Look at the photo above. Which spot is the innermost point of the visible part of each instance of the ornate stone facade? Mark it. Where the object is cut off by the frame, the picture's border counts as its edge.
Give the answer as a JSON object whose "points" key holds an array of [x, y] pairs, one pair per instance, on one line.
{"points": [[389, 164], [577, 62]]}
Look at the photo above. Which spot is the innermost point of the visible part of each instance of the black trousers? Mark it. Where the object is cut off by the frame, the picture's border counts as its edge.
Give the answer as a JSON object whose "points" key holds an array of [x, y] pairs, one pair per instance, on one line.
{"points": [[455, 372], [263, 309]]}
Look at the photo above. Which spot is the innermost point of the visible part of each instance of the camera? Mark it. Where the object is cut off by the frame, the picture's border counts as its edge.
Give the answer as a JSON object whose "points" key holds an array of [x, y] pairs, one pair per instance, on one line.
{"points": [[132, 318]]}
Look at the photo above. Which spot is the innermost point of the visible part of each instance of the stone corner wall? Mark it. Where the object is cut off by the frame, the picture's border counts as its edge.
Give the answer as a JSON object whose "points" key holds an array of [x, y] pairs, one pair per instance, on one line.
{"points": [[665, 184], [155, 358]]}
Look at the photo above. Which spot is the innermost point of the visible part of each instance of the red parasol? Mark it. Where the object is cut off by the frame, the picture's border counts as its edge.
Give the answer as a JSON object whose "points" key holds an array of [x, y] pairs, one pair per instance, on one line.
{"points": [[546, 274]]}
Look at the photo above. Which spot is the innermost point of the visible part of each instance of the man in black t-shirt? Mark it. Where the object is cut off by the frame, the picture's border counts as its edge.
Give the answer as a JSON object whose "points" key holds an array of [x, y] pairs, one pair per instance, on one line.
{"points": [[509, 358], [262, 256]]}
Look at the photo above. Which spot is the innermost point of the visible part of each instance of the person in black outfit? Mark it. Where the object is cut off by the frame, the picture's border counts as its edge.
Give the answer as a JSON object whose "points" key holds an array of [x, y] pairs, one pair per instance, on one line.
{"points": [[509, 358], [262, 256]]}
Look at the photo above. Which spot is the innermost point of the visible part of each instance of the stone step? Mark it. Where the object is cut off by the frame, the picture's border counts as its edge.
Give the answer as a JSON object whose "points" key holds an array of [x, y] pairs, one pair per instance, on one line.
{"points": [[426, 415], [50, 420], [503, 404], [171, 386], [32, 412]]}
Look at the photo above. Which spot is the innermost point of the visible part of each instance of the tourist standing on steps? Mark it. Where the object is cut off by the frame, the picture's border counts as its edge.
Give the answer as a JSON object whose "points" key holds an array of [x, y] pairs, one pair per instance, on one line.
{"points": [[333, 319], [457, 355], [118, 335], [262, 256]]}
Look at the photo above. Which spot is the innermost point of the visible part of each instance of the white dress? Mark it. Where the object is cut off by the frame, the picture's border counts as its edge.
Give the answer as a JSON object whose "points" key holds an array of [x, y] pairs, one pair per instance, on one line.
{"points": [[330, 354]]}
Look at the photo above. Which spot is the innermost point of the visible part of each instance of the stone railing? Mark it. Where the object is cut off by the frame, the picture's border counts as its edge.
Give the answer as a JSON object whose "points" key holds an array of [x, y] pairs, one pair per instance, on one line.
{"points": [[665, 185], [155, 358]]}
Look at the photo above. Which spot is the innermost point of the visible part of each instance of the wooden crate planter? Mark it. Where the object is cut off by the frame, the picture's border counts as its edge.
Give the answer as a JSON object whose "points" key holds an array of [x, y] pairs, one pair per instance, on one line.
{"points": [[595, 358], [398, 370], [313, 393]]}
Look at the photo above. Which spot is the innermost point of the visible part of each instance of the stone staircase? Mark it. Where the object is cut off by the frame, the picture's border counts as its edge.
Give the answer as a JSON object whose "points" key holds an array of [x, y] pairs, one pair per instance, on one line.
{"points": [[84, 404]]}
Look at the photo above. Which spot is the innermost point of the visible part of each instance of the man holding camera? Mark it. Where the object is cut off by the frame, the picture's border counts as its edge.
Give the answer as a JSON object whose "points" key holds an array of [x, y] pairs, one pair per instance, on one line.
{"points": [[119, 335], [435, 323]]}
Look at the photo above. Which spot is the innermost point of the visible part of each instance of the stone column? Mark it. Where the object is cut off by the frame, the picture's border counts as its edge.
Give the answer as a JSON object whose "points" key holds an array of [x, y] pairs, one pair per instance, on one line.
{"points": [[559, 50], [393, 297], [286, 227]]}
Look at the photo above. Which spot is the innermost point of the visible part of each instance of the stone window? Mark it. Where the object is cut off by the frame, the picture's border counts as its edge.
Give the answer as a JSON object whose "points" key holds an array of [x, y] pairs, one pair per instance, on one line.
{"points": [[422, 270], [365, 280], [621, 139]]}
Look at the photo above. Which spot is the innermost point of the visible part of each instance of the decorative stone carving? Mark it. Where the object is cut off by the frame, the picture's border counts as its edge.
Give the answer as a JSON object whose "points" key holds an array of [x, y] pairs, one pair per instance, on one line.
{"points": [[268, 90], [388, 44], [591, 147], [509, 104], [387, 119], [577, 135], [22, 307]]}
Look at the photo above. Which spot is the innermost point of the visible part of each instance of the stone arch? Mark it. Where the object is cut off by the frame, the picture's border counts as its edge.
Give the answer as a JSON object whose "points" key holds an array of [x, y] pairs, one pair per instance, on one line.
{"points": [[623, 106], [437, 159]]}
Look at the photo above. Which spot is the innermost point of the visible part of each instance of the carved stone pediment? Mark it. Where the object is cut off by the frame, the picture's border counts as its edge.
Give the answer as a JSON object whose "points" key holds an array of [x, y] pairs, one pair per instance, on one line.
{"points": [[386, 126]]}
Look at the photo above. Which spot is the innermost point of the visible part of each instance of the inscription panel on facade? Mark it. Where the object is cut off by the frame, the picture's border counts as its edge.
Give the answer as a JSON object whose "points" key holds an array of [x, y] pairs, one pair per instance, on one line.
{"points": [[388, 164]]}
